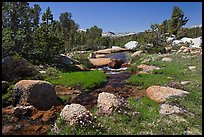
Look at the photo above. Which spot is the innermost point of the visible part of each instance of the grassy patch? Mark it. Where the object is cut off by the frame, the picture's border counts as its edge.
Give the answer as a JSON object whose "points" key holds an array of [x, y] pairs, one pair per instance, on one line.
{"points": [[146, 80], [147, 108], [87, 80]]}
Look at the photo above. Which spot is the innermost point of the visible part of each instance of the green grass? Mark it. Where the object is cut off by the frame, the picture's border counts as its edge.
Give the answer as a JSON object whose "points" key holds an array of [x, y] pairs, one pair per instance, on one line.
{"points": [[87, 80], [178, 71], [118, 123], [148, 120], [146, 80]]}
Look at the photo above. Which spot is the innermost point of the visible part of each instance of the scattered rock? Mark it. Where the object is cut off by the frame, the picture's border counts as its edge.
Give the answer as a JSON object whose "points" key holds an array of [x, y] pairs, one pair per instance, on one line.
{"points": [[40, 94], [179, 51], [166, 59], [104, 51], [187, 50], [192, 131], [192, 68], [137, 53], [100, 55], [131, 45], [42, 72], [115, 63], [183, 47], [73, 113], [98, 62], [161, 93], [176, 85], [168, 48], [146, 60], [169, 109], [82, 67], [178, 119], [106, 102], [185, 82], [147, 68]]}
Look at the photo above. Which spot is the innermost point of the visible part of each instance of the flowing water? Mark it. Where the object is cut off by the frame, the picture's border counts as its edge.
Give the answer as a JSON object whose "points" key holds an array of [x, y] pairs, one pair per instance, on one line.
{"points": [[116, 84]]}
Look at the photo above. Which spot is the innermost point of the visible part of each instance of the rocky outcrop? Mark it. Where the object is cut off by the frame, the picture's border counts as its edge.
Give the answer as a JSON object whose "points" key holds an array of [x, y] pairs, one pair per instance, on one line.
{"points": [[98, 62], [15, 68], [114, 49], [189, 50], [161, 93], [40, 94], [75, 114], [106, 102]]}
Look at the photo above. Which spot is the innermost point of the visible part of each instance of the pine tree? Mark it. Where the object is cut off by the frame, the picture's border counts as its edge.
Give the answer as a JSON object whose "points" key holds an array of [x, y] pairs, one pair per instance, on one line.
{"points": [[177, 20]]}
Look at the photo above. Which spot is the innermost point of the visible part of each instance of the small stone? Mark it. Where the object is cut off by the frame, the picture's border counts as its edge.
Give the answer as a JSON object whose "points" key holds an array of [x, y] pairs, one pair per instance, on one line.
{"points": [[169, 109], [42, 72], [192, 68], [185, 82], [166, 59]]}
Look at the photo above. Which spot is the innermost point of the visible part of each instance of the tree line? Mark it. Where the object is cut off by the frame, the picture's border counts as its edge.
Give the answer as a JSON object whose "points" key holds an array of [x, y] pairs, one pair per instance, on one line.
{"points": [[41, 41]]}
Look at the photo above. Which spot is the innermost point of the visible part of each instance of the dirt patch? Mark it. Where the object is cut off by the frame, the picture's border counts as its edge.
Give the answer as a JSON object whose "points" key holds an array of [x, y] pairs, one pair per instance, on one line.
{"points": [[38, 124]]}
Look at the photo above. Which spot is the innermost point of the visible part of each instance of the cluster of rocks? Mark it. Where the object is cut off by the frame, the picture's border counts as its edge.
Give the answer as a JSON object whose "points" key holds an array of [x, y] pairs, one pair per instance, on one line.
{"points": [[41, 95], [161, 93], [189, 50]]}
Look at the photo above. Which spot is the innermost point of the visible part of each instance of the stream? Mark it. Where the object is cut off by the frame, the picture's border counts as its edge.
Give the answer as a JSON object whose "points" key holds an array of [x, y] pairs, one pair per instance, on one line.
{"points": [[42, 121]]}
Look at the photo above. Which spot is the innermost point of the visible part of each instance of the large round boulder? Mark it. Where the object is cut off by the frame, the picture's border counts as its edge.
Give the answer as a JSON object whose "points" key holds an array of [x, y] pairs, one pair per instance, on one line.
{"points": [[106, 102], [161, 93], [40, 94]]}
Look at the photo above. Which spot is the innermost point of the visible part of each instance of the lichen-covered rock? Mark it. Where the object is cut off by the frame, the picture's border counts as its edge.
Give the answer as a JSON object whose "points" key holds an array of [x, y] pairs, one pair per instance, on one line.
{"points": [[75, 114], [169, 109], [40, 94], [106, 102], [161, 93]]}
